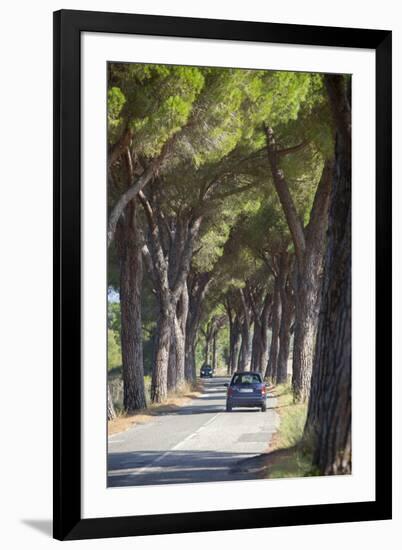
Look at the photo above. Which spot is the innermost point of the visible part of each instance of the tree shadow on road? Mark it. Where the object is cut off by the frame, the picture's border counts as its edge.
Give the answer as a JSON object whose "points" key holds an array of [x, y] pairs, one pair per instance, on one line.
{"points": [[157, 468]]}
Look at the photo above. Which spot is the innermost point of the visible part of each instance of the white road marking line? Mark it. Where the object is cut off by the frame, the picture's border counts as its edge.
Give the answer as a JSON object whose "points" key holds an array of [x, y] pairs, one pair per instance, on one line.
{"points": [[211, 420], [194, 433], [174, 448]]}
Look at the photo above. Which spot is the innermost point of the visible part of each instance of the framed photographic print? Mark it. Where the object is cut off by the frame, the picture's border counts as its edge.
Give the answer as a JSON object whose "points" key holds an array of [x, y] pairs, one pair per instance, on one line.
{"points": [[222, 270]]}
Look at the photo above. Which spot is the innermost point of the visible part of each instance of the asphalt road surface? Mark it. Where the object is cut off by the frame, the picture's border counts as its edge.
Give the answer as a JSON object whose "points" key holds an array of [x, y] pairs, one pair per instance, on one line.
{"points": [[198, 442]]}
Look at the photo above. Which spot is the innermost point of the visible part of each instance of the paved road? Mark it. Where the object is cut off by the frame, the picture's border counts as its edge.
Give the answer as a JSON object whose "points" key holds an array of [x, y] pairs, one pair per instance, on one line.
{"points": [[198, 442]]}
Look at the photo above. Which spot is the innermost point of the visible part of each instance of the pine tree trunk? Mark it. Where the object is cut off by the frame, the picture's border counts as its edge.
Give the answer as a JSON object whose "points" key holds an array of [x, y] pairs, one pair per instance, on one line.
{"points": [[306, 318], [260, 354], [129, 249], [270, 373], [198, 285], [256, 347], [207, 350], [190, 347], [232, 337], [236, 353], [176, 368], [231, 334], [286, 319], [189, 365], [328, 425], [284, 340], [176, 357], [234, 345], [214, 353], [264, 334], [170, 269], [172, 365], [245, 350], [180, 336], [161, 355], [309, 244], [180, 354], [260, 338], [284, 343], [309, 288]]}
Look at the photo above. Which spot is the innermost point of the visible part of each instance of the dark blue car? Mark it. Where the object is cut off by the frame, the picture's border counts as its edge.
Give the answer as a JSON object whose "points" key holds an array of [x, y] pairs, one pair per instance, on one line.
{"points": [[246, 389], [206, 371]]}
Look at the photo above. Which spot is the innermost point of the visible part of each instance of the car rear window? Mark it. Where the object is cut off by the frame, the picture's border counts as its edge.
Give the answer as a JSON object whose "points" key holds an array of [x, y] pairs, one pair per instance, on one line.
{"points": [[246, 378]]}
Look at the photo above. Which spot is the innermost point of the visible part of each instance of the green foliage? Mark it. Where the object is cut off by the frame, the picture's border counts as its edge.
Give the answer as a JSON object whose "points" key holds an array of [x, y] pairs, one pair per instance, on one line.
{"points": [[217, 168], [113, 316], [113, 349], [115, 103], [217, 229], [149, 313], [157, 104], [113, 335]]}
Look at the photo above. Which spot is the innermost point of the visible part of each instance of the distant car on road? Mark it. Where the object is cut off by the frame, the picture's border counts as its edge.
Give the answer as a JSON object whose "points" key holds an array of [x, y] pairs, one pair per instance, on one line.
{"points": [[206, 371], [246, 389]]}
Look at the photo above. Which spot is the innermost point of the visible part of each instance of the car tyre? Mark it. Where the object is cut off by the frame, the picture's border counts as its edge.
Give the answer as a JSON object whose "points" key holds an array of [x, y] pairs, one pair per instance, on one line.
{"points": [[264, 407]]}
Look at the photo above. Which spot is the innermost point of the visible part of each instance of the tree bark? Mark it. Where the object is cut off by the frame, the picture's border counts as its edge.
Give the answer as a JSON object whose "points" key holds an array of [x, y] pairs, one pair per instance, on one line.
{"points": [[198, 285], [159, 384], [136, 185], [234, 334], [309, 248], [245, 350], [170, 270], [328, 426], [210, 333], [129, 250], [244, 361], [174, 242], [286, 318], [285, 198], [120, 146], [214, 351], [172, 366], [306, 317], [259, 358], [159, 388], [207, 349], [309, 286], [190, 347], [264, 334], [256, 339], [255, 347], [177, 342], [176, 365], [234, 343], [270, 373]]}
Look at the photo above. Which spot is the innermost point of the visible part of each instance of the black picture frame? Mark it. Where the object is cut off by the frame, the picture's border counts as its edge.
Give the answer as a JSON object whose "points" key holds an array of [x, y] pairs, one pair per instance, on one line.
{"points": [[68, 26]]}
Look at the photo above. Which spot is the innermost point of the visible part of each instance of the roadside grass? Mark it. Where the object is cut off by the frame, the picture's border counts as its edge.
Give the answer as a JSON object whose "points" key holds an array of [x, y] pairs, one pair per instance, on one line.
{"points": [[174, 401], [288, 456]]}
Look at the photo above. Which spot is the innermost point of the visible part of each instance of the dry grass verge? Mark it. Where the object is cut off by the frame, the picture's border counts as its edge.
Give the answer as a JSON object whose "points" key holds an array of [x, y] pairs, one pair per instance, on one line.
{"points": [[124, 421], [286, 456]]}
